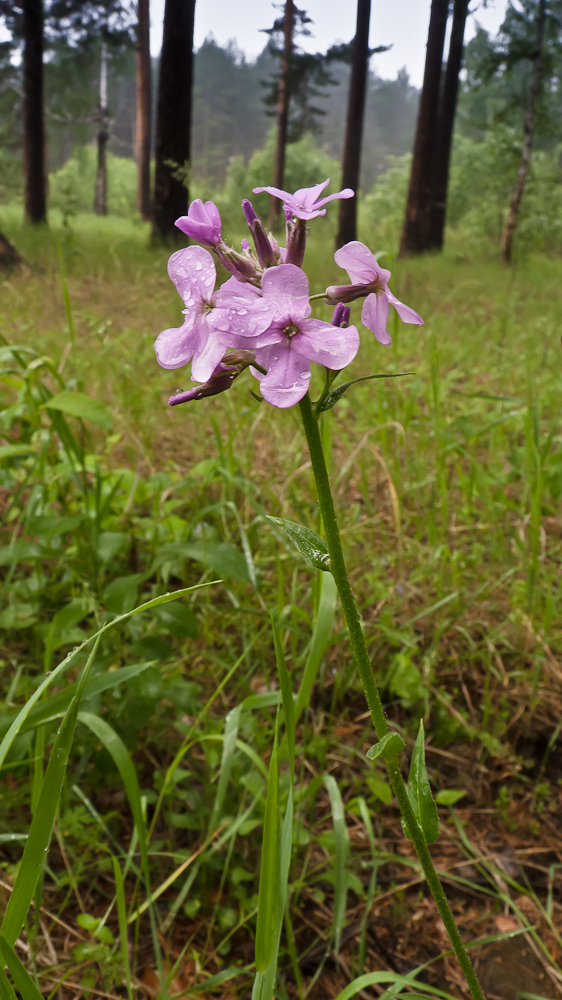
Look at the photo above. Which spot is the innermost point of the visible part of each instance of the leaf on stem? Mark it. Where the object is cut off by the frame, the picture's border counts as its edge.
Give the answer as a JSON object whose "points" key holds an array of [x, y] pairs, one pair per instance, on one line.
{"points": [[419, 793], [333, 397], [388, 748], [310, 545]]}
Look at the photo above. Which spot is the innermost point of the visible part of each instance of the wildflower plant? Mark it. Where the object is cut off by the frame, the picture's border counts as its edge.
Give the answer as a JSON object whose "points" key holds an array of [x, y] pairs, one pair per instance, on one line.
{"points": [[260, 320]]}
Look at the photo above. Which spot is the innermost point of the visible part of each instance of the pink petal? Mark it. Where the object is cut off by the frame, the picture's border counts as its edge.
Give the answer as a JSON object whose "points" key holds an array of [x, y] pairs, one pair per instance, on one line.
{"points": [[196, 211], [275, 192], [193, 272], [288, 377], [283, 282], [325, 344], [208, 352], [346, 193], [375, 316], [213, 214], [305, 197], [175, 347], [359, 262], [242, 317], [406, 314]]}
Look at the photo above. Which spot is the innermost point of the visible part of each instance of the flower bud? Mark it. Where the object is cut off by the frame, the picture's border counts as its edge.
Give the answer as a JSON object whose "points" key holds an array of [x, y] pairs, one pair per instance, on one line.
{"points": [[341, 315], [265, 252], [238, 264], [231, 366], [296, 242], [345, 293]]}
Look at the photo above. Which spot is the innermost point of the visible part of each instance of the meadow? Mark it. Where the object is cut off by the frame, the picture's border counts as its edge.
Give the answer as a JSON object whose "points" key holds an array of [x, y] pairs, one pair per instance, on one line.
{"points": [[448, 485]]}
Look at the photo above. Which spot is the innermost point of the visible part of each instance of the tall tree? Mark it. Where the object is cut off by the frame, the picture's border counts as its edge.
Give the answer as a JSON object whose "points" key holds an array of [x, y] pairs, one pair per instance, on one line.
{"points": [[351, 162], [143, 108], [415, 231], [100, 197], [529, 128], [283, 96], [34, 171], [444, 128], [173, 117]]}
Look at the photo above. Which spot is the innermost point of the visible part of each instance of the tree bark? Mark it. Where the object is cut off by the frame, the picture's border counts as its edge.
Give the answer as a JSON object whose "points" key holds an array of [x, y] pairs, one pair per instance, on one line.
{"points": [[415, 230], [100, 197], [525, 162], [173, 119], [283, 97], [351, 163], [445, 126], [34, 171], [143, 109]]}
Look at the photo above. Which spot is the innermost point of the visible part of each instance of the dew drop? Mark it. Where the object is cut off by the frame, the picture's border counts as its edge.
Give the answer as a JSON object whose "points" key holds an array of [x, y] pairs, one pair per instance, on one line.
{"points": [[305, 374]]}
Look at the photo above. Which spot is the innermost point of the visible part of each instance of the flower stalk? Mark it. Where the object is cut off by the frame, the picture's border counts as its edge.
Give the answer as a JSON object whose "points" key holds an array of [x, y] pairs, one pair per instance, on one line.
{"points": [[363, 660]]}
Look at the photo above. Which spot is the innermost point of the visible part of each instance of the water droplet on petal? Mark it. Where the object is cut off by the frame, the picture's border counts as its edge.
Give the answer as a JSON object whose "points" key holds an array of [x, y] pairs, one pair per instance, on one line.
{"points": [[305, 374]]}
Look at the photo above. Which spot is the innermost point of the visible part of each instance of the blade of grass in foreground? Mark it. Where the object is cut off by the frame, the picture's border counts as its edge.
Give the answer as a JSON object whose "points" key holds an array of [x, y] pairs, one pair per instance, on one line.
{"points": [[122, 918], [341, 835], [320, 638], [37, 844], [24, 983], [269, 870]]}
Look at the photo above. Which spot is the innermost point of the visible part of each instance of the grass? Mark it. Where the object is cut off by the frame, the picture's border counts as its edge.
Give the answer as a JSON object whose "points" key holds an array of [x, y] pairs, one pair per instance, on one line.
{"points": [[448, 485]]}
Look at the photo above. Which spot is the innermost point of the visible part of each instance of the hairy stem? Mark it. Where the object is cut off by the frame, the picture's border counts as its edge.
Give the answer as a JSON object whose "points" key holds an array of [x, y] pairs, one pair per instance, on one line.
{"points": [[359, 646]]}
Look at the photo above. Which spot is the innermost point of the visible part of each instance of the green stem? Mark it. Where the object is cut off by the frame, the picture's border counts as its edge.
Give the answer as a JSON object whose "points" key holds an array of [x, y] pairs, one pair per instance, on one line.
{"points": [[359, 646]]}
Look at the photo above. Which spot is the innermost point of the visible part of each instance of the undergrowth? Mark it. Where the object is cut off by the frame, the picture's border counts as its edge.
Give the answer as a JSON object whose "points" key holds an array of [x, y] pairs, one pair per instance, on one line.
{"points": [[449, 483]]}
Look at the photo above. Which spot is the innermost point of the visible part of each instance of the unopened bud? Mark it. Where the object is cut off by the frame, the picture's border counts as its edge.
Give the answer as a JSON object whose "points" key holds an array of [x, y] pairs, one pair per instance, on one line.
{"points": [[296, 242], [341, 315], [345, 293], [231, 366]]}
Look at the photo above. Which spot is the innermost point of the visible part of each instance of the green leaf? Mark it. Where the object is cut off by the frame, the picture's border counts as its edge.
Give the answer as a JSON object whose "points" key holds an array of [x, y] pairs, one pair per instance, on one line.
{"points": [[15, 450], [419, 792], [323, 626], [388, 748], [380, 789], [341, 834], [333, 397], [120, 595], [269, 869], [20, 975], [231, 725], [221, 557], [77, 404], [37, 844], [19, 552], [310, 545], [449, 796], [287, 695], [400, 982]]}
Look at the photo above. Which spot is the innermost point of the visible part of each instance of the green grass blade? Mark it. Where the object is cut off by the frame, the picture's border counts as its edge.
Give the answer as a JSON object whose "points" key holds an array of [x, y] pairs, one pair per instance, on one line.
{"points": [[122, 918], [287, 696], [231, 724], [23, 981], [341, 834], [124, 764], [33, 858], [419, 791], [21, 717], [6, 989], [269, 870], [320, 637], [399, 982], [264, 983]]}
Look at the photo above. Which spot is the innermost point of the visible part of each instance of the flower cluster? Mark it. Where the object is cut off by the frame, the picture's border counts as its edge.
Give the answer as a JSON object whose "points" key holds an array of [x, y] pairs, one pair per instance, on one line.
{"points": [[262, 313]]}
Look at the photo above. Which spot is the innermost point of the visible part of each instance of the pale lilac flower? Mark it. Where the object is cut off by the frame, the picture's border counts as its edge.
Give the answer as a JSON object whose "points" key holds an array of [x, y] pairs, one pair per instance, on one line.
{"points": [[292, 340], [305, 203], [371, 280], [214, 320], [231, 366], [202, 223]]}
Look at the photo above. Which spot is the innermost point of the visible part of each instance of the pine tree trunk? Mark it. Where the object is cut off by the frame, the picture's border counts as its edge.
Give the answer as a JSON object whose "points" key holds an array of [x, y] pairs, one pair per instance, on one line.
{"points": [[415, 231], [173, 118], [445, 126], [283, 97], [34, 171], [143, 116], [525, 162], [351, 163], [100, 197]]}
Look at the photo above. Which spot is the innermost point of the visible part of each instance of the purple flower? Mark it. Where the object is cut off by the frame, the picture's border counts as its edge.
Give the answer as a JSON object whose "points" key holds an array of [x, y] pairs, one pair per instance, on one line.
{"points": [[214, 320], [371, 280], [292, 340], [220, 380], [341, 314], [304, 203], [202, 223]]}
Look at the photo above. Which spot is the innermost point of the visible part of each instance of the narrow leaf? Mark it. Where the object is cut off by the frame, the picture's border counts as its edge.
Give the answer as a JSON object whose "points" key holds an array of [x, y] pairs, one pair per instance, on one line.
{"points": [[341, 834], [333, 397], [388, 748], [419, 792], [20, 975], [269, 870], [287, 696], [320, 638], [310, 545]]}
